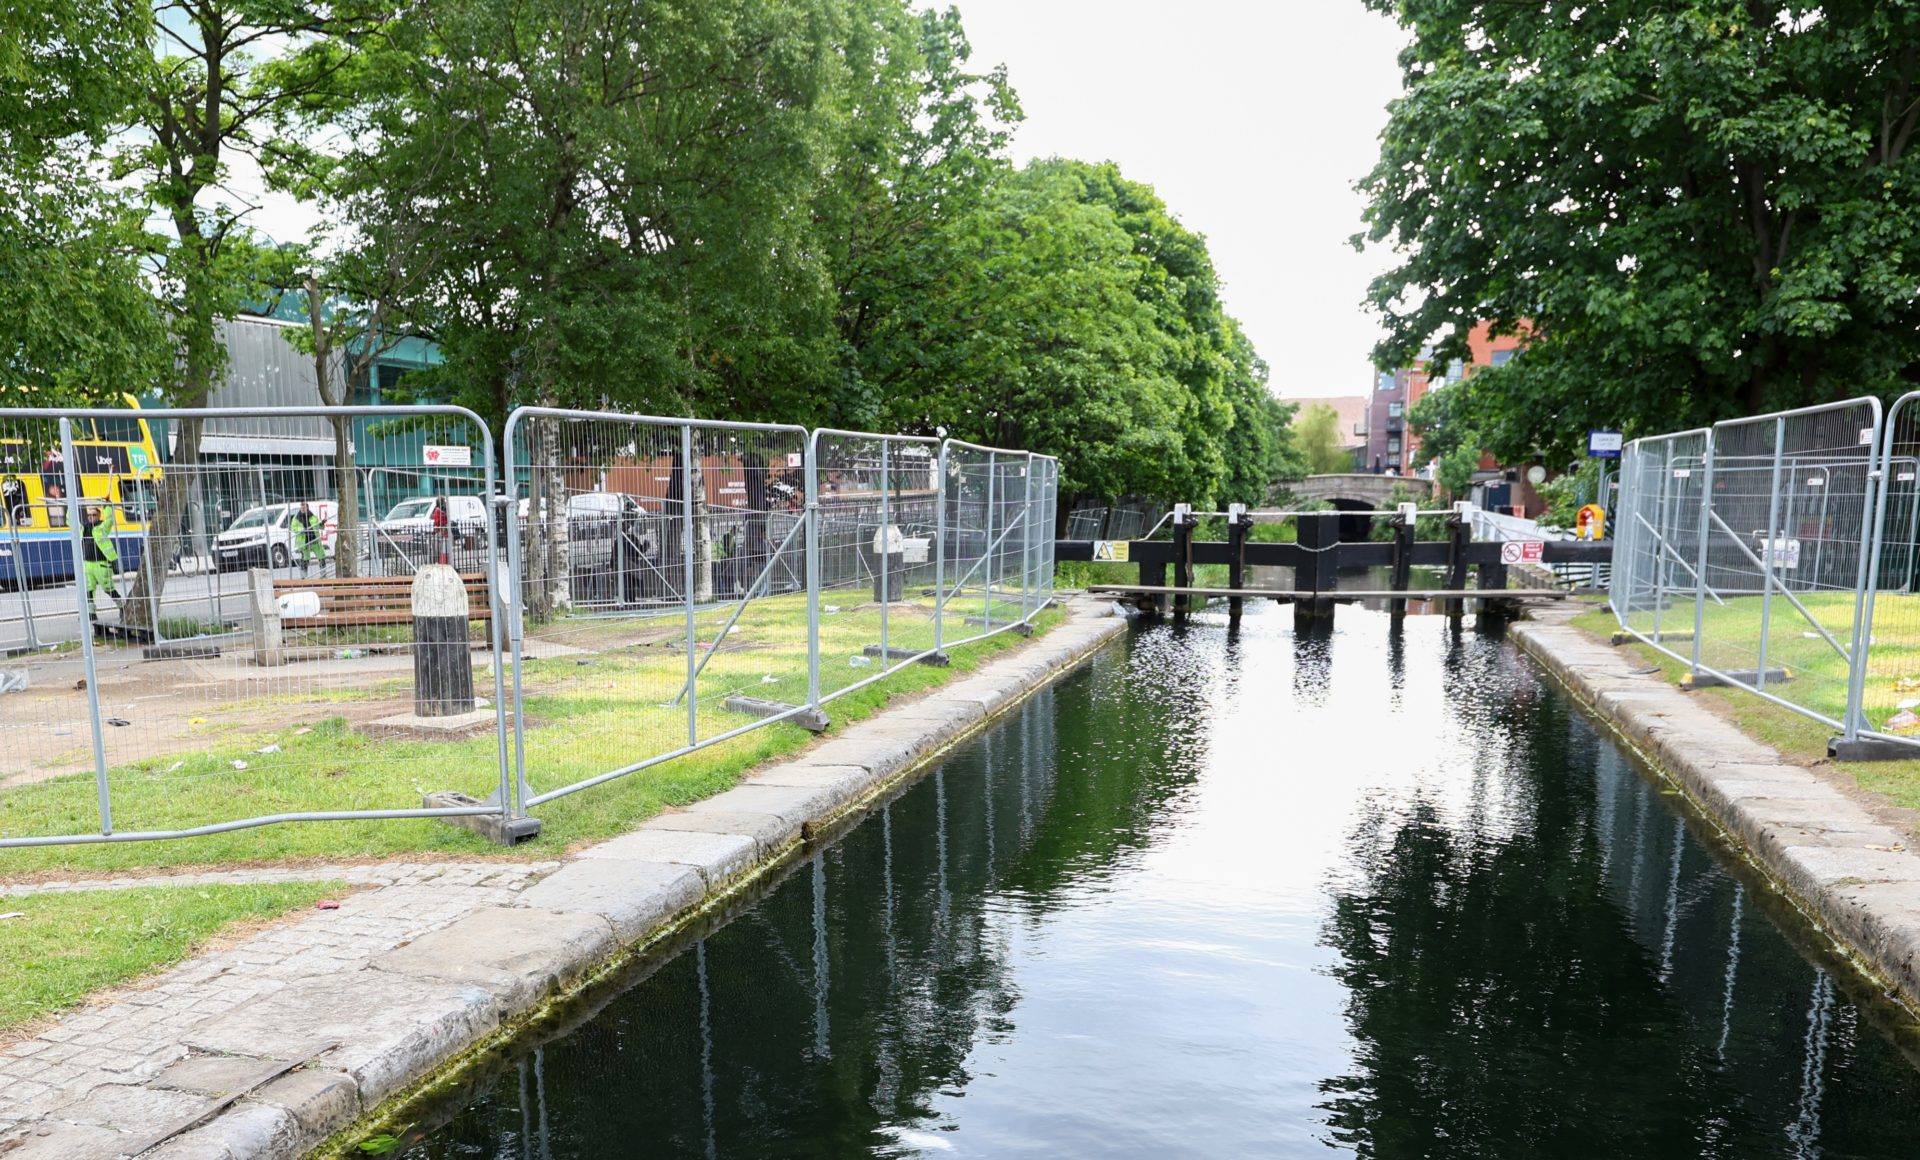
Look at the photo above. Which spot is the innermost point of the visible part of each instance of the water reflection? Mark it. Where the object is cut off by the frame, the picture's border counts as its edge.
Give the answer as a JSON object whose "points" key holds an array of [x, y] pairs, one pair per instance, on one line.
{"points": [[1374, 891]]}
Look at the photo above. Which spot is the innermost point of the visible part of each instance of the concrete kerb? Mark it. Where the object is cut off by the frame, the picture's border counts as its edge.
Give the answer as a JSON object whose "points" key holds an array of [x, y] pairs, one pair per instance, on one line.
{"points": [[1849, 875], [410, 1019]]}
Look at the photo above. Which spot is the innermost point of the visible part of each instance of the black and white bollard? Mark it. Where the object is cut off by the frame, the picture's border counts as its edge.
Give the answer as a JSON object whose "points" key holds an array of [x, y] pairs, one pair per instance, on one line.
{"points": [[442, 662]]}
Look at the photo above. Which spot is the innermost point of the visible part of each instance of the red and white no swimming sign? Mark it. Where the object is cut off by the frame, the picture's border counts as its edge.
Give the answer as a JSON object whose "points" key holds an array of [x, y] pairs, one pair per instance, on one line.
{"points": [[1522, 551]]}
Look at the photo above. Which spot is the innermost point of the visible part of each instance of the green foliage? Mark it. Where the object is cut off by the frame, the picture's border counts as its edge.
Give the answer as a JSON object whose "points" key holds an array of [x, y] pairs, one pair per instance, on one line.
{"points": [[1317, 432], [1457, 468], [76, 323], [1565, 494], [750, 209], [1695, 210]]}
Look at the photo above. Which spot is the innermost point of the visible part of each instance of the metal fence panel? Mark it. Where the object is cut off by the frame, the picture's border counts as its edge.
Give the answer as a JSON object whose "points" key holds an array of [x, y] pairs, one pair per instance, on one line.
{"points": [[1656, 524], [1786, 529], [1886, 682], [878, 507], [220, 664], [661, 588], [664, 584], [989, 536]]}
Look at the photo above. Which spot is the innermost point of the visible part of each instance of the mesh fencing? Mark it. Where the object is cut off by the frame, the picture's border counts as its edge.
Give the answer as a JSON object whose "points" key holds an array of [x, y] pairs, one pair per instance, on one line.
{"points": [[234, 652], [213, 620], [878, 504], [1656, 539], [1746, 553]]}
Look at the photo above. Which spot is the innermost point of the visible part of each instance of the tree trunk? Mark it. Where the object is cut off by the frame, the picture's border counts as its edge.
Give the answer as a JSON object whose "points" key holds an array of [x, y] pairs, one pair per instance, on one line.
{"points": [[346, 543], [179, 479], [701, 528]]}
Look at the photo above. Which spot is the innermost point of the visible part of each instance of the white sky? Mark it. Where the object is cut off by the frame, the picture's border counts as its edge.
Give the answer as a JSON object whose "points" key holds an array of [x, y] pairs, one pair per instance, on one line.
{"points": [[1252, 118]]}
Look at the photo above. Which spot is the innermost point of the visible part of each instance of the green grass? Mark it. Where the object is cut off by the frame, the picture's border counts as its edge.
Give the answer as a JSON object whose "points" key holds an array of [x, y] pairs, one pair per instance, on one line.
{"points": [[585, 719], [1799, 737], [1818, 673], [66, 946]]}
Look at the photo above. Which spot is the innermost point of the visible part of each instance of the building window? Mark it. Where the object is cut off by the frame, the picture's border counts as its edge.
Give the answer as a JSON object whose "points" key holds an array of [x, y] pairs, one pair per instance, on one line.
{"points": [[1394, 409], [1384, 382], [1501, 358], [1456, 371], [1393, 447]]}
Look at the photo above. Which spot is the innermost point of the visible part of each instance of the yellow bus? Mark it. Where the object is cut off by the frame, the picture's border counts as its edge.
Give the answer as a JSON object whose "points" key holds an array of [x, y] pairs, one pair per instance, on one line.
{"points": [[118, 465]]}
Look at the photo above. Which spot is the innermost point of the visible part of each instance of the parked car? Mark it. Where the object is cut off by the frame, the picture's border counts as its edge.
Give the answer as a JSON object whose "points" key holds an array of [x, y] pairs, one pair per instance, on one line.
{"points": [[264, 537], [613, 549]]}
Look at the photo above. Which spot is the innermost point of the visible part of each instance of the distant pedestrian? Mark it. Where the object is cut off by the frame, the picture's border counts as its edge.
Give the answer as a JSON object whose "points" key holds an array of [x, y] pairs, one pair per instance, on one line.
{"points": [[309, 537], [53, 473], [99, 554]]}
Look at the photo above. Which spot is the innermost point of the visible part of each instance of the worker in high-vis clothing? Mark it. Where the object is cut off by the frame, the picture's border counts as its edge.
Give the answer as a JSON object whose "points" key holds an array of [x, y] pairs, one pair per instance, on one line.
{"points": [[99, 554]]}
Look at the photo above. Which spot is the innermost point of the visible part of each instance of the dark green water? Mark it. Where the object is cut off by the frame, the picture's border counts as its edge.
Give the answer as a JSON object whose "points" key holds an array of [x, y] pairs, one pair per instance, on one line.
{"points": [[1384, 894]]}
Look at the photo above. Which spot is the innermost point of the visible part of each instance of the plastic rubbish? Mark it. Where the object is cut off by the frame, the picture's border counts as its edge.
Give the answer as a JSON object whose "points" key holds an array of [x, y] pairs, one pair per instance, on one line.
{"points": [[299, 604], [1903, 720], [118, 721], [859, 662], [831, 609], [268, 749], [239, 764], [350, 654], [13, 680], [326, 904]]}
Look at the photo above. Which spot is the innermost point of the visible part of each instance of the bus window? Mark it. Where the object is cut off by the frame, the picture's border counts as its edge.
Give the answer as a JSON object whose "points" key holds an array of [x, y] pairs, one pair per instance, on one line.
{"points": [[101, 459], [119, 431], [136, 496]]}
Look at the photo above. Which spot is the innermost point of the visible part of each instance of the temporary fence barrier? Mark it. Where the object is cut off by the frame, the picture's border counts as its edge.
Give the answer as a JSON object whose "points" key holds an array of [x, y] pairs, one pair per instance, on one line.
{"points": [[1656, 534], [653, 586], [1754, 553], [176, 697]]}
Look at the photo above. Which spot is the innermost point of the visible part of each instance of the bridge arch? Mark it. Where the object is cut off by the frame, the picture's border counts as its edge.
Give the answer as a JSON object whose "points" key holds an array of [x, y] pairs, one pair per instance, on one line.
{"points": [[1361, 492]]}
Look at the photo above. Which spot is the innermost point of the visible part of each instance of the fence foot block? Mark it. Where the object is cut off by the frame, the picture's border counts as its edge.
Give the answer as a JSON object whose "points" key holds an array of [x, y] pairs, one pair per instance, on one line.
{"points": [[501, 831], [184, 651], [1620, 638], [1735, 678], [937, 660], [1871, 749], [812, 720]]}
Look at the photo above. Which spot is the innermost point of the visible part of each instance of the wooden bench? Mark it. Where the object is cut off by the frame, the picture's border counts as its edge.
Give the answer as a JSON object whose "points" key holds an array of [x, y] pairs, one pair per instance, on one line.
{"points": [[352, 601]]}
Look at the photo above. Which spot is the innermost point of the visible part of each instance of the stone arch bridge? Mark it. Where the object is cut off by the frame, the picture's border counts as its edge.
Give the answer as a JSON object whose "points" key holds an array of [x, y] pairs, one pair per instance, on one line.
{"points": [[1361, 492]]}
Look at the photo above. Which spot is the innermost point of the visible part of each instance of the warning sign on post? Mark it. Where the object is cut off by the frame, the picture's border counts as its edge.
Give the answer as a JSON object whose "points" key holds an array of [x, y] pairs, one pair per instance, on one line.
{"points": [[1522, 551], [1110, 551], [447, 455]]}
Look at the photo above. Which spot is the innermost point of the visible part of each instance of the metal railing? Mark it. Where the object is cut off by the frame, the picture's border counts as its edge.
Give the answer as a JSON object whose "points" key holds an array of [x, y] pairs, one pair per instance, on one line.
{"points": [[638, 588], [1776, 554]]}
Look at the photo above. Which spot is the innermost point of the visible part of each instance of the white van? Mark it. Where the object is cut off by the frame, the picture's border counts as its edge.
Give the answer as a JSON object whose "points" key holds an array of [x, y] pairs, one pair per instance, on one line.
{"points": [[264, 537]]}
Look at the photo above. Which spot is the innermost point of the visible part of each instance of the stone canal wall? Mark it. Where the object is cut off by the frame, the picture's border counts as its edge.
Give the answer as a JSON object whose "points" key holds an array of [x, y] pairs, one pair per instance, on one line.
{"points": [[272, 1048], [1850, 873]]}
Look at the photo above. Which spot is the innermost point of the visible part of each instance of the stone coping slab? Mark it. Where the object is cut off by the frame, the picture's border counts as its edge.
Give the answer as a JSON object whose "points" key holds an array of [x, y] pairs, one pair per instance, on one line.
{"points": [[1853, 874], [370, 999]]}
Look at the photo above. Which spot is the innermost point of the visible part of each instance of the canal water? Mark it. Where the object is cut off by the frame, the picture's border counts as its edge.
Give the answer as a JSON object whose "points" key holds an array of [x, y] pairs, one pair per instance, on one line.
{"points": [[1381, 893]]}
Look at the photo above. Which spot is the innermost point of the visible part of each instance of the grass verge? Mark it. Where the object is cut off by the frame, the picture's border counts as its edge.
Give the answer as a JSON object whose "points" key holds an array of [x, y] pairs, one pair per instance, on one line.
{"points": [[66, 946], [589, 712], [1798, 737]]}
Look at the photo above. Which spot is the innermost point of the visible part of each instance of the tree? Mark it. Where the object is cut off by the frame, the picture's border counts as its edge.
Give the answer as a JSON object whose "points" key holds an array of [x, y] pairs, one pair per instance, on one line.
{"points": [[613, 202], [1259, 449], [1695, 210], [76, 324], [920, 142], [224, 74], [1317, 431], [1035, 336]]}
